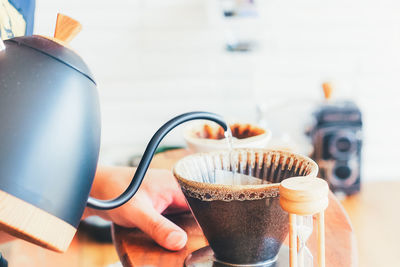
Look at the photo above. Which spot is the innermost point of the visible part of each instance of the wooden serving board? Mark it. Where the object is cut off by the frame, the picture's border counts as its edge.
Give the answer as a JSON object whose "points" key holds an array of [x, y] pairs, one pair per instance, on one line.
{"points": [[136, 249]]}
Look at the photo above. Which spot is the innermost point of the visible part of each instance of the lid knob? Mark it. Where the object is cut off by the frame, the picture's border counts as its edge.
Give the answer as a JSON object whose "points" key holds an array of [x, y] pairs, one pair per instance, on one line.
{"points": [[66, 28]]}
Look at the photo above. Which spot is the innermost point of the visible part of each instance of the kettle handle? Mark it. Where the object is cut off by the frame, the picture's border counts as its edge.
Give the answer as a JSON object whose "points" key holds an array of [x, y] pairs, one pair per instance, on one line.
{"points": [[2, 46], [148, 155]]}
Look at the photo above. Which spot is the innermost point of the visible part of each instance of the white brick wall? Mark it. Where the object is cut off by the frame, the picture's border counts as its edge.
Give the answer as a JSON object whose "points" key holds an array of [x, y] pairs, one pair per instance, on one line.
{"points": [[157, 58]]}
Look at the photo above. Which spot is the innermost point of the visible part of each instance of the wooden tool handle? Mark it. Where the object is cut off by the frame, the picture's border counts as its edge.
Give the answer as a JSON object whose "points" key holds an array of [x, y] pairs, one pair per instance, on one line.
{"points": [[66, 28]]}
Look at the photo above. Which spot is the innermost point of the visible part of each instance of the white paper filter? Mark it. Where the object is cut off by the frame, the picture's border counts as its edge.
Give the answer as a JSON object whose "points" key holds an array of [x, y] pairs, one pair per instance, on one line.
{"points": [[244, 167]]}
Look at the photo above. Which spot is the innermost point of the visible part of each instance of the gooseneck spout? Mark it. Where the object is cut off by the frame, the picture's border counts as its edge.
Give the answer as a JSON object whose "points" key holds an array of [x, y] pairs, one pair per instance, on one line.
{"points": [[148, 155]]}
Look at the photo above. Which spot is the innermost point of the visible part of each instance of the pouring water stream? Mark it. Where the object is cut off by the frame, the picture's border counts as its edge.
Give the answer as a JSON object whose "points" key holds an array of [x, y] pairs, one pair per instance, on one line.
{"points": [[232, 176]]}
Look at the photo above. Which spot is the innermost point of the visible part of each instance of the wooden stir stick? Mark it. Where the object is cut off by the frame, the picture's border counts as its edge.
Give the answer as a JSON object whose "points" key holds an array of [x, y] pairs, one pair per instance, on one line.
{"points": [[303, 196], [66, 28]]}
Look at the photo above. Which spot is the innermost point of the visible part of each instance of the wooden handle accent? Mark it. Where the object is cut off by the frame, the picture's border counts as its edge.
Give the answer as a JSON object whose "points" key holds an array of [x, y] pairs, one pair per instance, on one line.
{"points": [[66, 28], [25, 221]]}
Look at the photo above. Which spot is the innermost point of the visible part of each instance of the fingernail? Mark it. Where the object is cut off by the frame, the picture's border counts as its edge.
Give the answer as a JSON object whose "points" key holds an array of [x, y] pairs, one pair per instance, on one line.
{"points": [[176, 240]]}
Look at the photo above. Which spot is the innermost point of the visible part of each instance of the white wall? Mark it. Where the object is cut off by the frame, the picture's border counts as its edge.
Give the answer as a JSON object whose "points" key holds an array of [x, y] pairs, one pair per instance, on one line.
{"points": [[156, 58]]}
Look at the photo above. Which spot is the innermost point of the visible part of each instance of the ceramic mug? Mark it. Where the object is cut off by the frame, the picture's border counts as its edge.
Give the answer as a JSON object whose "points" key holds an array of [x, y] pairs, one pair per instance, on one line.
{"points": [[207, 136]]}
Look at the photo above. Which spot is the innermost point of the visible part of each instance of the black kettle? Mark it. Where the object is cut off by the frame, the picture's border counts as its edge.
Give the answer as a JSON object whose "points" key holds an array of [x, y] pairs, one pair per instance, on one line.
{"points": [[50, 138]]}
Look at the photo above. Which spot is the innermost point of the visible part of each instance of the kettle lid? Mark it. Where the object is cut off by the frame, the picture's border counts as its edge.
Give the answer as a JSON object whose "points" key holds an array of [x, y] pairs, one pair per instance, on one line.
{"points": [[56, 51]]}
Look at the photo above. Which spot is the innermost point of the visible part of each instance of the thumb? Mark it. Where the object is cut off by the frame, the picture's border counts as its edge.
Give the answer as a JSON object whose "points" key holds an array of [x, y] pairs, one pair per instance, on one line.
{"points": [[160, 229]]}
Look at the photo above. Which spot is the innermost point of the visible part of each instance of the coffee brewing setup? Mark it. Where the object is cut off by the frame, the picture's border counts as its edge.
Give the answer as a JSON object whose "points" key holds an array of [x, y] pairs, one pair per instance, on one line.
{"points": [[50, 139], [241, 200]]}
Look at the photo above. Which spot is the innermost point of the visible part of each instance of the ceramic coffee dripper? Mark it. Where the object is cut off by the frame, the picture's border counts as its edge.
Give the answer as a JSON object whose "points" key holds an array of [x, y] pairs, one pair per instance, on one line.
{"points": [[243, 223], [207, 136]]}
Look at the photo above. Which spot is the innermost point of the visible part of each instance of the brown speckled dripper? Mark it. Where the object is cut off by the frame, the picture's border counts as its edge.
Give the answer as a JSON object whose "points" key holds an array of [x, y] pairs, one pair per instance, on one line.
{"points": [[244, 224]]}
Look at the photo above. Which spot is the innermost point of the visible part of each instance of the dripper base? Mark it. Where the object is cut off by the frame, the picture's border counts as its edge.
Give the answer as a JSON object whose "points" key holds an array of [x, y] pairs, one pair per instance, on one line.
{"points": [[204, 257]]}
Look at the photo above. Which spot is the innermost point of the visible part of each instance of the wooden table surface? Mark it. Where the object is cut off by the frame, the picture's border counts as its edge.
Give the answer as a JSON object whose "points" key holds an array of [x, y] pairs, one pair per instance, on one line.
{"points": [[83, 252], [375, 215]]}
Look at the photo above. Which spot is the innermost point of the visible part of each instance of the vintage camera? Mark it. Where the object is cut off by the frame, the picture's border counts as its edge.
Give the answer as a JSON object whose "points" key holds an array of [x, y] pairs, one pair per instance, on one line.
{"points": [[337, 140]]}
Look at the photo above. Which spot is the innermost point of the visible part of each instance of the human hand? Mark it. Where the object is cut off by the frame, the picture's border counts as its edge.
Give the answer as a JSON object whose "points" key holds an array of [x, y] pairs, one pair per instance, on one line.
{"points": [[159, 193]]}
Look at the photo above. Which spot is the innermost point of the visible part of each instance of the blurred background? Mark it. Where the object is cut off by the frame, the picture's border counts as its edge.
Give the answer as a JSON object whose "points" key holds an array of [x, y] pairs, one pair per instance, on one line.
{"points": [[156, 58], [256, 61]]}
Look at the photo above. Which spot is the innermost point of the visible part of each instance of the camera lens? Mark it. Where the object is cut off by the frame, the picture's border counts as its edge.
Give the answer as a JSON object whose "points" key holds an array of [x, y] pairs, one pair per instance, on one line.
{"points": [[343, 144], [342, 172]]}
